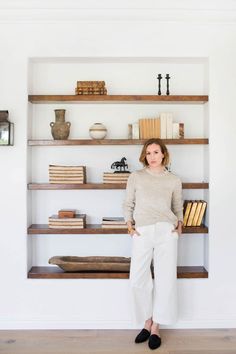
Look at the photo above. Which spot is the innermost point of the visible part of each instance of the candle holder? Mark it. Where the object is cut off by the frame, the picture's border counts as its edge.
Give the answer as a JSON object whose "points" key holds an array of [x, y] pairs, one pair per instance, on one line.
{"points": [[159, 77], [167, 84]]}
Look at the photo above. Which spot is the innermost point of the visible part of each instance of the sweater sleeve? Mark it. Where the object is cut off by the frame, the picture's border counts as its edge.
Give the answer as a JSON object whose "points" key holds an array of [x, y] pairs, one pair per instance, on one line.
{"points": [[177, 200], [129, 202]]}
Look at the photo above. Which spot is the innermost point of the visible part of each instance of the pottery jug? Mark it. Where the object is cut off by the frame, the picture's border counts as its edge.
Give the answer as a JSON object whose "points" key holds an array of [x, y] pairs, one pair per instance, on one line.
{"points": [[60, 129], [98, 131]]}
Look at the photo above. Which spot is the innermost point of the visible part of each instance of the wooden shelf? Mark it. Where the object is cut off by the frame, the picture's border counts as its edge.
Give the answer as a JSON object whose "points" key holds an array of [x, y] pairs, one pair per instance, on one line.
{"points": [[143, 99], [43, 229], [57, 273], [54, 186], [51, 142]]}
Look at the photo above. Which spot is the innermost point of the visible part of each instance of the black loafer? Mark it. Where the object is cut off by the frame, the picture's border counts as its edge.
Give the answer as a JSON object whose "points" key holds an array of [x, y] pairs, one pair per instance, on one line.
{"points": [[154, 341], [142, 336]]}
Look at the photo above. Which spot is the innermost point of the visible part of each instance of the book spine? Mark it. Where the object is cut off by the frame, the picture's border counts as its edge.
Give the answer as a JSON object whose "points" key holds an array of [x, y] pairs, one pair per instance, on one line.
{"points": [[175, 130], [169, 123], [192, 213], [187, 208], [181, 130], [135, 130], [202, 213], [163, 125], [196, 216]]}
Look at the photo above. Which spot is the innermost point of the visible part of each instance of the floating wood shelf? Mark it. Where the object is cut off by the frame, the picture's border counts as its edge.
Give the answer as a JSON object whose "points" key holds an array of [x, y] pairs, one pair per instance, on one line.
{"points": [[143, 99], [43, 229], [54, 186], [57, 273], [50, 142]]}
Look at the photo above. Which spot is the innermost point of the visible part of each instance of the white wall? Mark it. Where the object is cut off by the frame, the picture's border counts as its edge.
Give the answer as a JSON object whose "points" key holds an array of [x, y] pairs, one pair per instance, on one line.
{"points": [[104, 303]]}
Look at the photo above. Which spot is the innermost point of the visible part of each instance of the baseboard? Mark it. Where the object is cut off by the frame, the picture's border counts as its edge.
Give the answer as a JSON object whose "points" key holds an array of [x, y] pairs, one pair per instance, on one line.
{"points": [[47, 324]]}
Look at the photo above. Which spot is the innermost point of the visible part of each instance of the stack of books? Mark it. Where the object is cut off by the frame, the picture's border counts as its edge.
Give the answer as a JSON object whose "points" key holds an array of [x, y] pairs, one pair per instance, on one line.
{"points": [[111, 177], [161, 127], [91, 88], [149, 128], [113, 223], [67, 174], [194, 211], [77, 222]]}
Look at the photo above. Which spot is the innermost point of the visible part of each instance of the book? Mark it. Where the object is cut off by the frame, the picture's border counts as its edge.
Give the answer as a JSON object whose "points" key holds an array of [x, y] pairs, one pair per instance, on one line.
{"points": [[197, 212], [157, 128], [77, 217], [169, 124], [129, 131], [163, 117], [116, 175], [149, 128], [90, 83], [141, 128], [187, 208], [192, 213], [113, 220], [62, 174], [91, 92], [135, 130], [202, 213], [175, 130], [115, 180], [65, 182], [181, 130], [66, 227], [114, 226], [66, 168], [69, 178], [79, 221], [67, 213]]}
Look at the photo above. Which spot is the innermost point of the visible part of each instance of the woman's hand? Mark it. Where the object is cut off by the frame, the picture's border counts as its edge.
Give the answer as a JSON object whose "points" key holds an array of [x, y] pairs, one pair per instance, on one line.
{"points": [[178, 229], [131, 229]]}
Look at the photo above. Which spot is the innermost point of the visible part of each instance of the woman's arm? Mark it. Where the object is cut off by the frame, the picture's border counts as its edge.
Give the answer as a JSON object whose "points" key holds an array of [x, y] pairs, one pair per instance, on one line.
{"points": [[129, 202], [177, 205]]}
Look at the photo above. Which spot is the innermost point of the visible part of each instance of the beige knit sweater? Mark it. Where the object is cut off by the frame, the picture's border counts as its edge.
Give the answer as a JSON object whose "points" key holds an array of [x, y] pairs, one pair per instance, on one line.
{"points": [[152, 198]]}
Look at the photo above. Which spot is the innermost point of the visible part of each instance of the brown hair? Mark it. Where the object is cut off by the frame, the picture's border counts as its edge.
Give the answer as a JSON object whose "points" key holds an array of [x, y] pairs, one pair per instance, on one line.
{"points": [[164, 151]]}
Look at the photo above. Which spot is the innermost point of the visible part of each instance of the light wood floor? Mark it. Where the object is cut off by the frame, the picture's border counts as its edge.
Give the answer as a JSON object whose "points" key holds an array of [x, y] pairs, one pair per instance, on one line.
{"points": [[175, 341]]}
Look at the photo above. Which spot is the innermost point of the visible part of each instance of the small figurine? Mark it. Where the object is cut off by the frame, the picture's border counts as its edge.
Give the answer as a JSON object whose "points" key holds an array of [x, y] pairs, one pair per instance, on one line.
{"points": [[167, 84], [119, 165], [159, 77]]}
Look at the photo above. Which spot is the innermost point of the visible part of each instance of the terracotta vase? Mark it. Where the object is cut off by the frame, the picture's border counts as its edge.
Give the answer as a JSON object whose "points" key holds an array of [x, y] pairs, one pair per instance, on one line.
{"points": [[60, 129]]}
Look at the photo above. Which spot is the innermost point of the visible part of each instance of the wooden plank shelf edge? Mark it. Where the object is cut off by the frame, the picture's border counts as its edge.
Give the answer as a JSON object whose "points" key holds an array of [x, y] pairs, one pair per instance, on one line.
{"points": [[43, 229], [184, 99], [75, 142], [57, 273], [57, 186]]}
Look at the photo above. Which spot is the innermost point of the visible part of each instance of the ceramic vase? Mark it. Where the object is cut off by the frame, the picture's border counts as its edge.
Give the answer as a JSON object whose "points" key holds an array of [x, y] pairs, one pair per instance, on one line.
{"points": [[60, 129], [98, 131]]}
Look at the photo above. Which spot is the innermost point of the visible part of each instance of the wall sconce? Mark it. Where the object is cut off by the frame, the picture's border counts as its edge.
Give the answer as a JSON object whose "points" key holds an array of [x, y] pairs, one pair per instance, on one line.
{"points": [[6, 129]]}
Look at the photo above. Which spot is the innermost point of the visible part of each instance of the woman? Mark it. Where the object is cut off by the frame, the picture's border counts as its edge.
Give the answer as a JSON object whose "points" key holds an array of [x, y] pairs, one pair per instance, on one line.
{"points": [[153, 210]]}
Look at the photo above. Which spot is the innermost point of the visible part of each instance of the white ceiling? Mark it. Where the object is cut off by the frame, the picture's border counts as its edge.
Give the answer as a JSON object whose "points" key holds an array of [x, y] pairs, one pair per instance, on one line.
{"points": [[122, 10]]}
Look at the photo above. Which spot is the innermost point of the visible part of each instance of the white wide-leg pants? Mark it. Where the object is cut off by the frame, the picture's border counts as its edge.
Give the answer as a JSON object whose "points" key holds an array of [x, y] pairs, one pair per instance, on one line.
{"points": [[154, 298]]}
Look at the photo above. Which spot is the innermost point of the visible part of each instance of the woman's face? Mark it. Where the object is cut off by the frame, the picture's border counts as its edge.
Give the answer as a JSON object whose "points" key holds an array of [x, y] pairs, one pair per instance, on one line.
{"points": [[154, 156]]}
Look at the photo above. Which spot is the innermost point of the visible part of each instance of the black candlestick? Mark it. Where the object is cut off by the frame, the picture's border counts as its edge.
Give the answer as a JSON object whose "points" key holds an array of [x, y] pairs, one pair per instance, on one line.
{"points": [[167, 84], [159, 77]]}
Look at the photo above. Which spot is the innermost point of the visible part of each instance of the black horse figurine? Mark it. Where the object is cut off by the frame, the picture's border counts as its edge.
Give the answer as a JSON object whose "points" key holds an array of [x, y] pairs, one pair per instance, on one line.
{"points": [[120, 165]]}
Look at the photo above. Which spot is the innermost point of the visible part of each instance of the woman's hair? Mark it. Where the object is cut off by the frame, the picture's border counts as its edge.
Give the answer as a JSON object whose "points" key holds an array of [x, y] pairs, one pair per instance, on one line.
{"points": [[164, 151]]}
